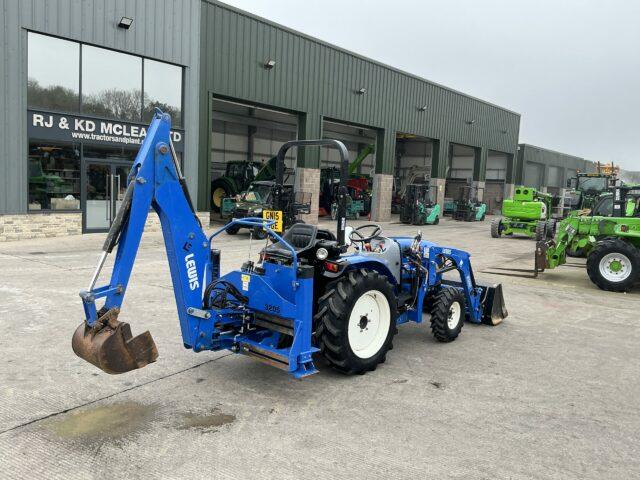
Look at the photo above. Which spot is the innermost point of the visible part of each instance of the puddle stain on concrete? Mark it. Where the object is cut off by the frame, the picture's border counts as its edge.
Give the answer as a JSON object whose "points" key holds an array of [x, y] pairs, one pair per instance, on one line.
{"points": [[206, 422], [111, 422]]}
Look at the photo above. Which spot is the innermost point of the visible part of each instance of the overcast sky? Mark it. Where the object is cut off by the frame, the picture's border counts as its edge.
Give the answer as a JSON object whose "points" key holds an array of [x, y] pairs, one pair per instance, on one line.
{"points": [[570, 68]]}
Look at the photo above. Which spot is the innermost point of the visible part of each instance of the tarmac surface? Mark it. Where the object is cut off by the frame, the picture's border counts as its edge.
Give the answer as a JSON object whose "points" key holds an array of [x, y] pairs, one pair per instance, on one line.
{"points": [[552, 392]]}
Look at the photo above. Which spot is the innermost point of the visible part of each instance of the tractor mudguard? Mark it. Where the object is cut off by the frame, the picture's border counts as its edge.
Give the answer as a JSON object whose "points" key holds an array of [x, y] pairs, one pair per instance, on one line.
{"points": [[110, 346]]}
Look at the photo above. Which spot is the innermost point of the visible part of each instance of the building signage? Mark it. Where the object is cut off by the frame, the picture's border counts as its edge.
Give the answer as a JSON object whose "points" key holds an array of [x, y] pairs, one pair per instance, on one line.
{"points": [[72, 128]]}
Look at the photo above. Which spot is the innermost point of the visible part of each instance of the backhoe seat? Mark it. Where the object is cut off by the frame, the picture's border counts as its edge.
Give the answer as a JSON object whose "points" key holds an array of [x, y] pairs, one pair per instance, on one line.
{"points": [[301, 236]]}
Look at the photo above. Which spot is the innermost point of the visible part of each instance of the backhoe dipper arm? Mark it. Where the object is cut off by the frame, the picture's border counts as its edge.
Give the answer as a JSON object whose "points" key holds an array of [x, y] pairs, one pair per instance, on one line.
{"points": [[155, 182]]}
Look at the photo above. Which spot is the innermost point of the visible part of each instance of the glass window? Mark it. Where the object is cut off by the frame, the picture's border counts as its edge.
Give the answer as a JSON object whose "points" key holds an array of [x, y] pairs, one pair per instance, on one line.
{"points": [[111, 84], [116, 154], [54, 176], [53, 73], [163, 89]]}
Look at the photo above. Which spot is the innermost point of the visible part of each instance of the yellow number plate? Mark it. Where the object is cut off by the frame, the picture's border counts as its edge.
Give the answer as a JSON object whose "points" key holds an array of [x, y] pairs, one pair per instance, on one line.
{"points": [[274, 215]]}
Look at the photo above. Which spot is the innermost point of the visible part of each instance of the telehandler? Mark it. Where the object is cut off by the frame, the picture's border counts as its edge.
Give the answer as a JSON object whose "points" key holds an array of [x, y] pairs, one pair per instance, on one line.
{"points": [[311, 291]]}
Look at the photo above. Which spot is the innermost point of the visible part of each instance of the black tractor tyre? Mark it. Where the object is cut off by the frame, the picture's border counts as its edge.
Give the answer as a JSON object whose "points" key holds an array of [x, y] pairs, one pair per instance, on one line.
{"points": [[333, 318], [541, 230], [259, 233], [551, 228], [496, 228], [447, 309], [604, 254], [233, 230], [577, 253]]}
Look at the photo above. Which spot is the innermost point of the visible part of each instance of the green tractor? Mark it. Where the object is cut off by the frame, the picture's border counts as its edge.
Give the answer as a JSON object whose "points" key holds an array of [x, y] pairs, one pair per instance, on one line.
{"points": [[612, 242], [527, 213], [417, 207], [586, 191], [467, 207], [237, 178]]}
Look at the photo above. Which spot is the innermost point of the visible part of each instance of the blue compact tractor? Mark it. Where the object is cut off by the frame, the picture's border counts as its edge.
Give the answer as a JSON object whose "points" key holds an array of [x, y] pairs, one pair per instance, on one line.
{"points": [[311, 291]]}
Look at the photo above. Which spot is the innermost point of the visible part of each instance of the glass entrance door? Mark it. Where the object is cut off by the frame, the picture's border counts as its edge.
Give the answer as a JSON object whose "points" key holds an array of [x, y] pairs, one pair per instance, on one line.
{"points": [[105, 185]]}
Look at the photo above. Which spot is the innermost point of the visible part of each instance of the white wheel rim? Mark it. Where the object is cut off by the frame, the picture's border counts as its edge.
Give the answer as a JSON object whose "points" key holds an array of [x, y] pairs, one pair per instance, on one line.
{"points": [[455, 312], [615, 267], [369, 324]]}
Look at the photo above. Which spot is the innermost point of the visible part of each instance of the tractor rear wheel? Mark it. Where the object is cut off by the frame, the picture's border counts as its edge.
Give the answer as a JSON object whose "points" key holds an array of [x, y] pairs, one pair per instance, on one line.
{"points": [[447, 309], [219, 190], [496, 227], [614, 265], [356, 321], [541, 230]]}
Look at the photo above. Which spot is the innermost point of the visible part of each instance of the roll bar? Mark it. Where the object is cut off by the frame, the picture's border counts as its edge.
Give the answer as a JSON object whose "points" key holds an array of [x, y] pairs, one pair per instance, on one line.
{"points": [[344, 177]]}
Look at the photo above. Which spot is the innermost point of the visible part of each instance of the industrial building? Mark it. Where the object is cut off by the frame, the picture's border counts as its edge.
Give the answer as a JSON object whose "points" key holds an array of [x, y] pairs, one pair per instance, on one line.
{"points": [[81, 80]]}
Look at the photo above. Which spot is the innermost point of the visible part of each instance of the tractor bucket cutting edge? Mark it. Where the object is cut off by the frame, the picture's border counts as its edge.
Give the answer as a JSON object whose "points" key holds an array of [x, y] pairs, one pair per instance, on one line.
{"points": [[110, 346]]}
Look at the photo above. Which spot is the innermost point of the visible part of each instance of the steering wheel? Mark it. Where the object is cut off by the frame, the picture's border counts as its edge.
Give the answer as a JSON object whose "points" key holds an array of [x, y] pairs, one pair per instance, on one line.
{"points": [[357, 237]]}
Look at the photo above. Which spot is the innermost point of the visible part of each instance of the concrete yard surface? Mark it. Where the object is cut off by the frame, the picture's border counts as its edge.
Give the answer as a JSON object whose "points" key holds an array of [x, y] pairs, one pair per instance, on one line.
{"points": [[552, 392]]}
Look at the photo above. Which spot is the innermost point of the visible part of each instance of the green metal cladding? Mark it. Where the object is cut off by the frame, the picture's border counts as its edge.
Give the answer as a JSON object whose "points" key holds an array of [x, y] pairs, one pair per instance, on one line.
{"points": [[318, 80]]}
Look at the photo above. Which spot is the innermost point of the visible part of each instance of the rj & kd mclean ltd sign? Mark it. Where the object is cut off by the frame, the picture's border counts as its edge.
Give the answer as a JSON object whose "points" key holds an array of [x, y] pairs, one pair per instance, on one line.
{"points": [[72, 128]]}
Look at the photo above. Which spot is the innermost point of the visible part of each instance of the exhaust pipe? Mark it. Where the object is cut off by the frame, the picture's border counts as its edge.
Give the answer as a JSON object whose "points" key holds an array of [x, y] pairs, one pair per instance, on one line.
{"points": [[110, 346]]}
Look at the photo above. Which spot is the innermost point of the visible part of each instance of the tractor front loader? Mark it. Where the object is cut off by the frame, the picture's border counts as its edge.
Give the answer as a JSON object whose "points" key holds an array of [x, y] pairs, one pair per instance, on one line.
{"points": [[342, 295]]}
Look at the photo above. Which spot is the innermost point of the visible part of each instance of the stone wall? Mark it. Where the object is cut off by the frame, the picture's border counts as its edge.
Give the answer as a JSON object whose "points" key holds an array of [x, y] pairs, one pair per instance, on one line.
{"points": [[381, 202], [44, 225], [39, 225], [308, 181]]}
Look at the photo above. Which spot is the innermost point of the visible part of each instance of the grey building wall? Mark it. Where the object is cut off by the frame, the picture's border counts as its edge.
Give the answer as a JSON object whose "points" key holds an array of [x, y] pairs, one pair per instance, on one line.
{"points": [[318, 80], [531, 158], [165, 30]]}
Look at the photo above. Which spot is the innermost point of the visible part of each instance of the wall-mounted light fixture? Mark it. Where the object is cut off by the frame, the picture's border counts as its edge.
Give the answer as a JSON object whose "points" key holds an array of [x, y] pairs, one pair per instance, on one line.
{"points": [[125, 22], [423, 108], [269, 64], [362, 91], [470, 122], [504, 131]]}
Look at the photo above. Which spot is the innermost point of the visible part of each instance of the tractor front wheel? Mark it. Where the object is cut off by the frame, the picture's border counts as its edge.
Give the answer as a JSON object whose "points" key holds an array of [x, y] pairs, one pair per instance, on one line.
{"points": [[551, 227], [614, 265], [496, 227], [356, 321], [447, 309]]}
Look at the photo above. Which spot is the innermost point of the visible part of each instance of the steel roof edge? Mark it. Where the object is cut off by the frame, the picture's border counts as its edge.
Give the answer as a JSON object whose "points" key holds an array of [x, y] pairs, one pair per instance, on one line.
{"points": [[354, 54]]}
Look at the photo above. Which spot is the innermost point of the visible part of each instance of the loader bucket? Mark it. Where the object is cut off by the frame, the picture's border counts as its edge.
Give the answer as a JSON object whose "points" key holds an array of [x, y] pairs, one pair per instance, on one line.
{"points": [[110, 346], [493, 308]]}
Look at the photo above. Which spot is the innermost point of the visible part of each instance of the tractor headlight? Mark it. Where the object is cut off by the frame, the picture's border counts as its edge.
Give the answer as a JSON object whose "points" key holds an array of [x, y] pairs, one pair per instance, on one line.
{"points": [[257, 211], [322, 253]]}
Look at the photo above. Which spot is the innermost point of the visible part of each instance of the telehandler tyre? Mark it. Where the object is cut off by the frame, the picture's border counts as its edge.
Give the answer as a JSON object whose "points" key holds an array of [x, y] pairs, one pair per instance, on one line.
{"points": [[356, 321], [541, 231], [496, 227], [614, 265], [447, 309]]}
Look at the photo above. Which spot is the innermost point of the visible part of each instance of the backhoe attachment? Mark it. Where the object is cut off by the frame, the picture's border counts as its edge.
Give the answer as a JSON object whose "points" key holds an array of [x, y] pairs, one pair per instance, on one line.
{"points": [[110, 346]]}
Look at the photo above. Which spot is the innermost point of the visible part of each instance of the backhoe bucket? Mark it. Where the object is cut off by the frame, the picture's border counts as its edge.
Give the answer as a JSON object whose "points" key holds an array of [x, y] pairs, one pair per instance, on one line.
{"points": [[110, 346], [493, 308]]}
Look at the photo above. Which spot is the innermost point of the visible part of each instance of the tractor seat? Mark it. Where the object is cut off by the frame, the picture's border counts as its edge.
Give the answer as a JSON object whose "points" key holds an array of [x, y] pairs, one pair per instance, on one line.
{"points": [[300, 236]]}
